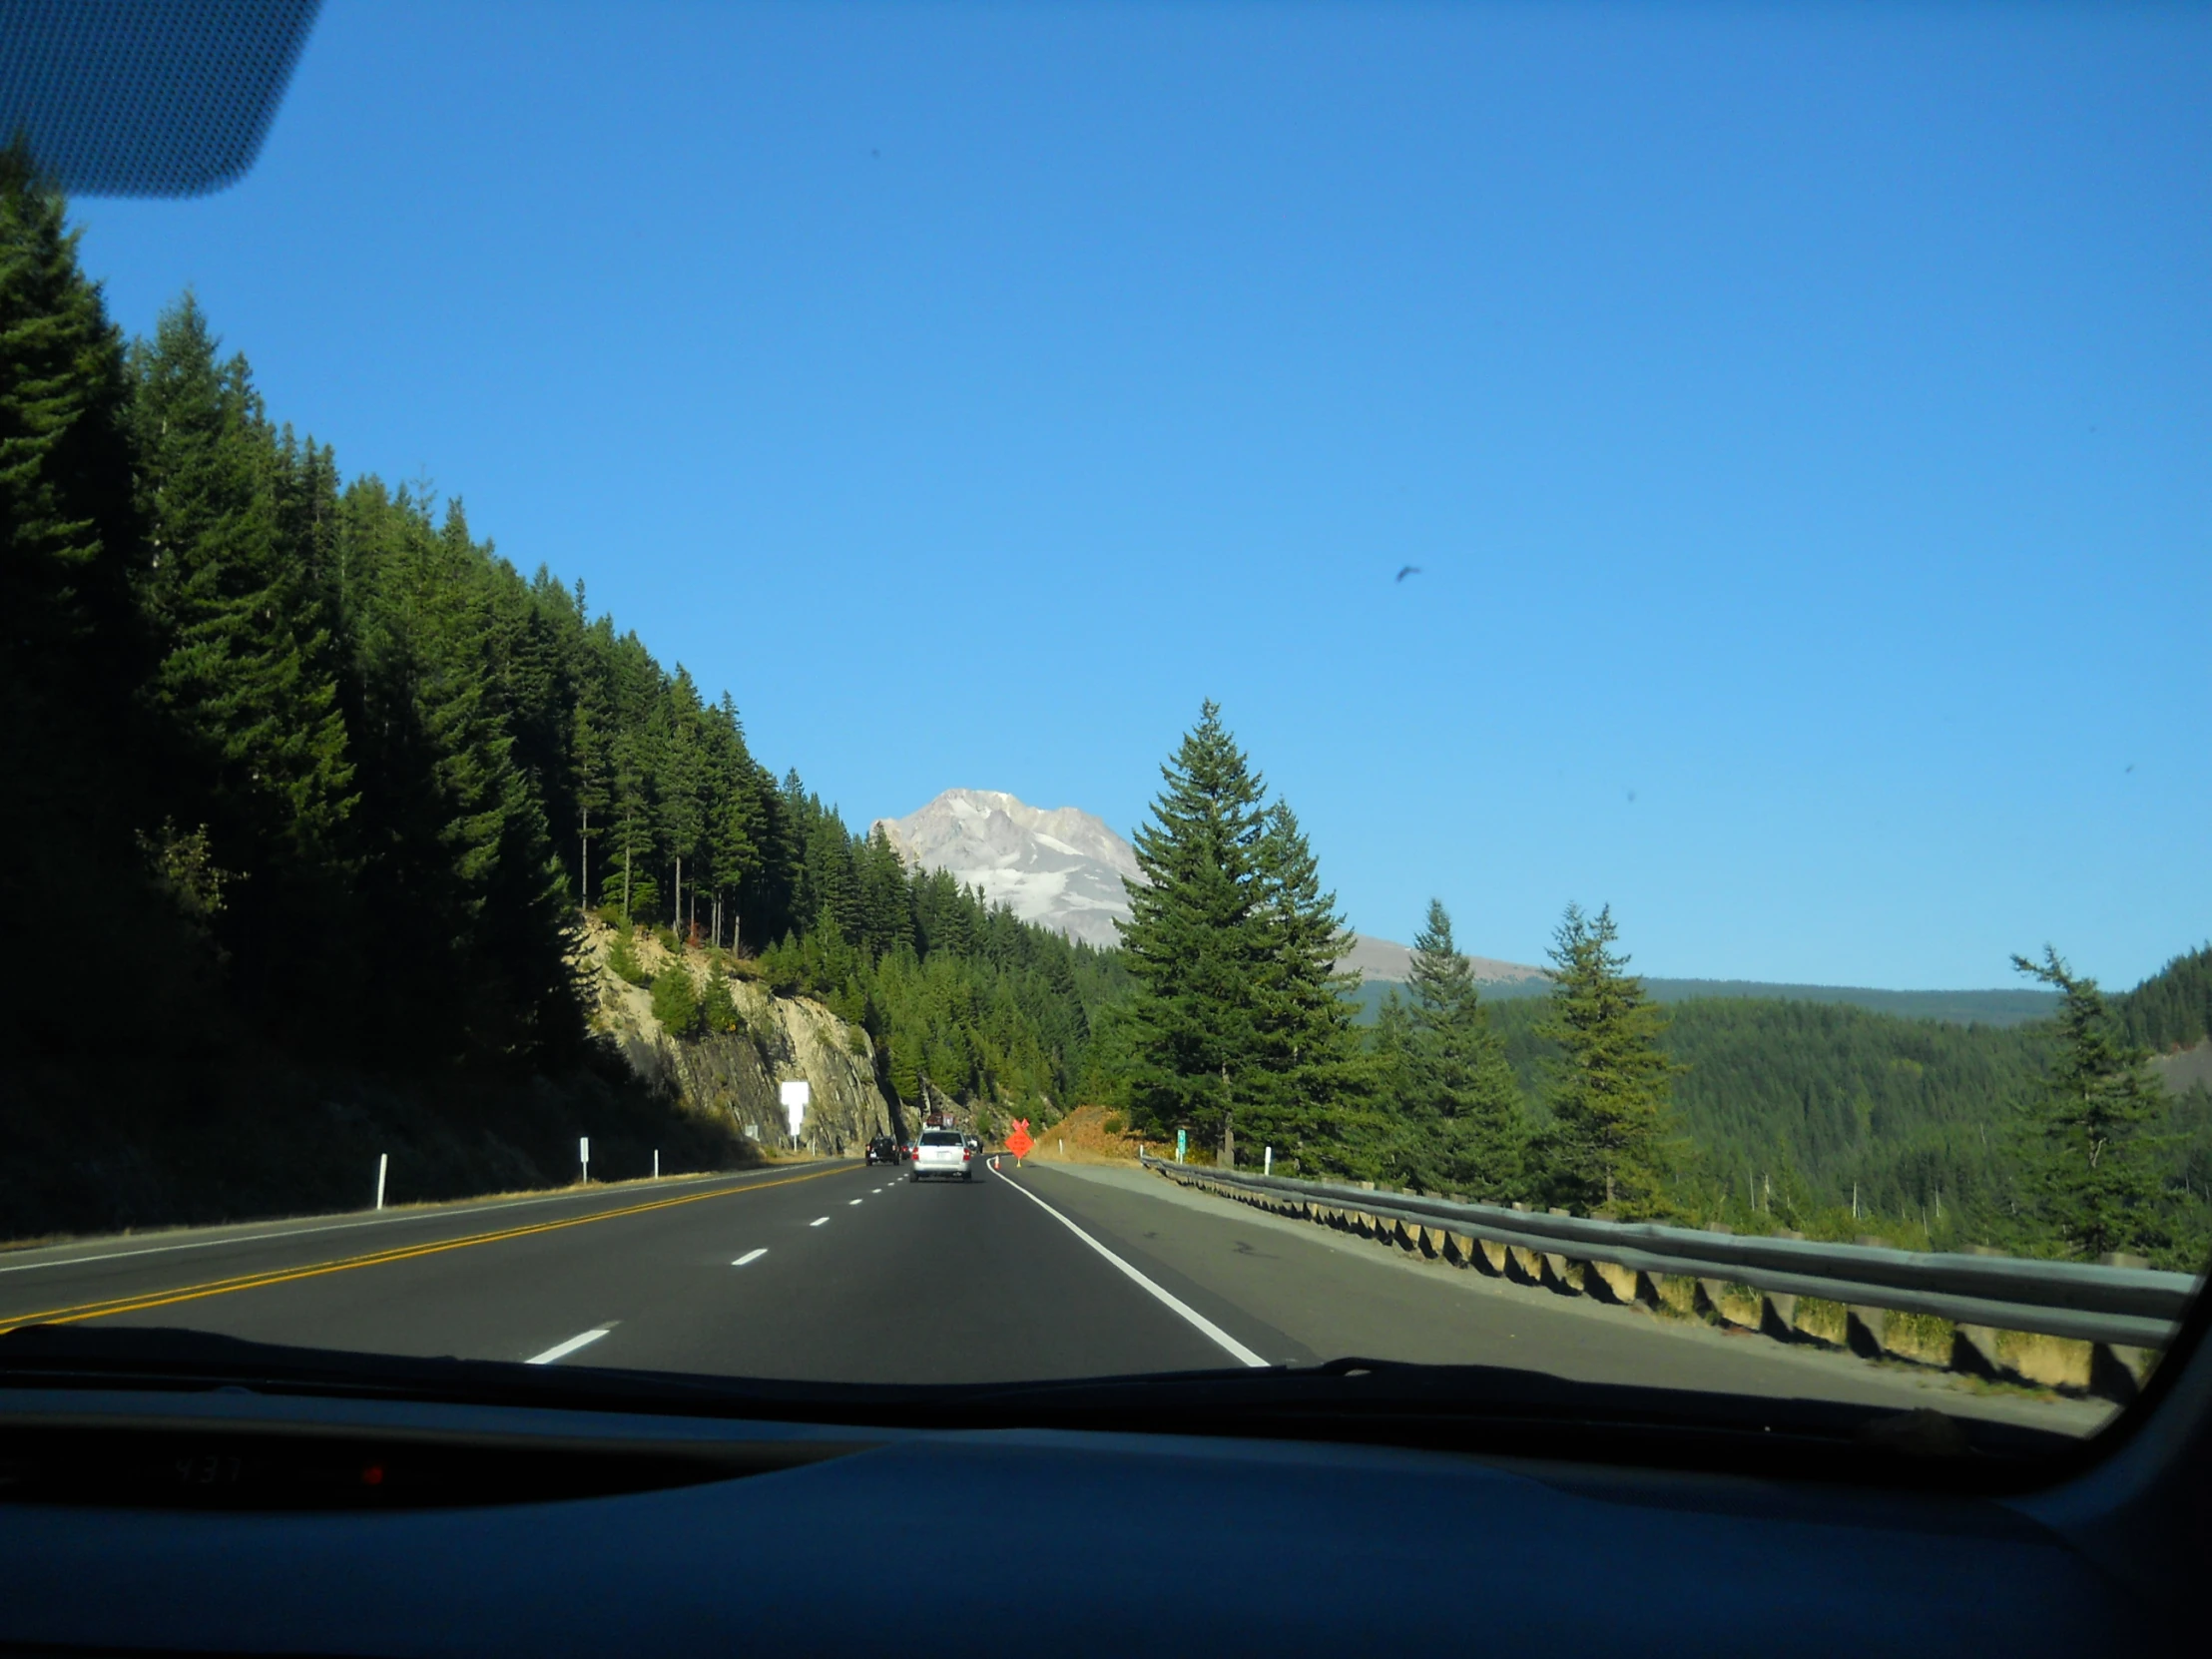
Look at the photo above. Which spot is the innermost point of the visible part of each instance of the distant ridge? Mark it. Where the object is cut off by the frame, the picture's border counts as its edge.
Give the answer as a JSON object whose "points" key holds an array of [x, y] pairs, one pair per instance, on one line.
{"points": [[1386, 960], [2001, 1006]]}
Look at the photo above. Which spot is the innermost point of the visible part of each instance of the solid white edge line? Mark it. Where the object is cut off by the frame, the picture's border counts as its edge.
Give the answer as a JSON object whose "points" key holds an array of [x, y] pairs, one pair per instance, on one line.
{"points": [[561, 1351], [750, 1256], [1221, 1338]]}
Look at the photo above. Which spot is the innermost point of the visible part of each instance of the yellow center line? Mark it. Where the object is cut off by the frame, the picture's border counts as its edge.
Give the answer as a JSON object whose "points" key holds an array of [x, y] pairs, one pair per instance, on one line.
{"points": [[283, 1276]]}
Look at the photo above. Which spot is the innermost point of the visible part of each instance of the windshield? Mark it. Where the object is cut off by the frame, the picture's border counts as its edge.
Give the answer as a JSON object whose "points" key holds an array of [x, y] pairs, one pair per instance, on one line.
{"points": [[1477, 686]]}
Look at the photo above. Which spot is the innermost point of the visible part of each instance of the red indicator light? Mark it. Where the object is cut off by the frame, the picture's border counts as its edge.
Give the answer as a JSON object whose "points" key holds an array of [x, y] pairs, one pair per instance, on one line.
{"points": [[373, 1474]]}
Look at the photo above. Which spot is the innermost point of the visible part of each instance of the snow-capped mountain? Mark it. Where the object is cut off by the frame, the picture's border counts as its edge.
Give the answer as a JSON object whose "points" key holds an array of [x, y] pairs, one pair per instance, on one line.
{"points": [[1059, 865], [1063, 867]]}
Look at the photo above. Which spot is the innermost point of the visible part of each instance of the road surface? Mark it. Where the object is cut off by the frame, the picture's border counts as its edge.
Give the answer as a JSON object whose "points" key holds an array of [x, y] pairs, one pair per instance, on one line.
{"points": [[837, 1271]]}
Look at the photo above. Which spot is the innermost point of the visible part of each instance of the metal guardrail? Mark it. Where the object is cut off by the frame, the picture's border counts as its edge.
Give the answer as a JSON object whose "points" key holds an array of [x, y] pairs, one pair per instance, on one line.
{"points": [[2130, 1307]]}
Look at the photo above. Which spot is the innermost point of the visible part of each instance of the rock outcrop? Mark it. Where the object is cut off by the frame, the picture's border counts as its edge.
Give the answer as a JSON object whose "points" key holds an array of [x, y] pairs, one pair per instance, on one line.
{"points": [[736, 1075]]}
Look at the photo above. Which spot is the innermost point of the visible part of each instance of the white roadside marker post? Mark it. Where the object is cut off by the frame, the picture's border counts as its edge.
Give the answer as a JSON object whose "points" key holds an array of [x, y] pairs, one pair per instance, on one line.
{"points": [[582, 1157], [794, 1094], [383, 1161], [1267, 1160], [656, 1163]]}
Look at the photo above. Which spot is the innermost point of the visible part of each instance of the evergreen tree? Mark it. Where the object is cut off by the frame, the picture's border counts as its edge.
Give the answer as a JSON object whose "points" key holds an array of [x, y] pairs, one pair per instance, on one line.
{"points": [[1197, 945], [471, 902], [718, 1010], [885, 903], [680, 768], [736, 823], [245, 673], [1391, 1046], [1309, 1092], [1611, 1087], [80, 766], [675, 1001], [2094, 1186], [1462, 1106], [594, 784]]}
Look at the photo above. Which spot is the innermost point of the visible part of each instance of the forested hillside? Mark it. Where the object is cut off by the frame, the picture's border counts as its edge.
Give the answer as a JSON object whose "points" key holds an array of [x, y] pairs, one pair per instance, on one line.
{"points": [[336, 780], [1820, 1110], [2173, 1008]]}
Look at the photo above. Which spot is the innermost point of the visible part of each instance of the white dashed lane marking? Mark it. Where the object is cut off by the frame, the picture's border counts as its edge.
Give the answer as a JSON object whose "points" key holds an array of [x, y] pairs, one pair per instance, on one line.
{"points": [[750, 1256], [818, 1221], [561, 1351]]}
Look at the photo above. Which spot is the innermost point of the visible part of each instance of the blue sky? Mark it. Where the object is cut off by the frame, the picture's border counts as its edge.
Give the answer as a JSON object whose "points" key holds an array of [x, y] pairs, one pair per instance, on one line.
{"points": [[1799, 418]]}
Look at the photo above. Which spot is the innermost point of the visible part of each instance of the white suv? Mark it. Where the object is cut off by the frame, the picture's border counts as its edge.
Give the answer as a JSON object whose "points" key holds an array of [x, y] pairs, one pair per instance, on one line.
{"points": [[943, 1152]]}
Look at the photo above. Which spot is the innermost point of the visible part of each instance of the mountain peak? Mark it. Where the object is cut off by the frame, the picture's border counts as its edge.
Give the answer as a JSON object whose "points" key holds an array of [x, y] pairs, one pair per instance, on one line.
{"points": [[1058, 866], [1064, 869]]}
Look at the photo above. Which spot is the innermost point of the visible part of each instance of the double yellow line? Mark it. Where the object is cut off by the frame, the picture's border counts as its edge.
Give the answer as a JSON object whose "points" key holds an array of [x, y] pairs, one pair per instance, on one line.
{"points": [[284, 1276]]}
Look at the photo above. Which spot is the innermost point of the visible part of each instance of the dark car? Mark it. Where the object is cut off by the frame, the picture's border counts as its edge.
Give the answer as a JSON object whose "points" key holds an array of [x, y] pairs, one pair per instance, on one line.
{"points": [[882, 1150]]}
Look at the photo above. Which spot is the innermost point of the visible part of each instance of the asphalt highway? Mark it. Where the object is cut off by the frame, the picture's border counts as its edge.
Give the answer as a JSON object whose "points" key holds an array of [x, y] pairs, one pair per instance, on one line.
{"points": [[837, 1271]]}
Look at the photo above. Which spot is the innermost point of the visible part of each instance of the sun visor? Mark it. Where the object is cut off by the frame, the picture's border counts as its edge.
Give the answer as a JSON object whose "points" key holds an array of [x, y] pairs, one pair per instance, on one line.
{"points": [[147, 97]]}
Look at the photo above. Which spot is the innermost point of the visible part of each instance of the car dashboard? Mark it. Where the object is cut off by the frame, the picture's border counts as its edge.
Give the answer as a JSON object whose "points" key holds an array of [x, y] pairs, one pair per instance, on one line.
{"points": [[235, 1520]]}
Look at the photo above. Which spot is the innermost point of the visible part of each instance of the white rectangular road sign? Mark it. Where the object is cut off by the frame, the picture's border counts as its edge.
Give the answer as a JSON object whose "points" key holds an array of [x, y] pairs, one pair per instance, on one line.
{"points": [[794, 1094]]}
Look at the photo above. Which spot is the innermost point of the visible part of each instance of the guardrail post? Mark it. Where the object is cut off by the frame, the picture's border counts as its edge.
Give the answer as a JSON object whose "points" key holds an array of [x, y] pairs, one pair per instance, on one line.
{"points": [[1974, 1351], [1778, 1315], [1623, 1285], [1863, 1330], [2118, 1371], [1563, 1274]]}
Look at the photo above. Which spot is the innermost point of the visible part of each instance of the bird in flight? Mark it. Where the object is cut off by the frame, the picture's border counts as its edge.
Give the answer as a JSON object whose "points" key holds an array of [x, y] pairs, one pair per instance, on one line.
{"points": [[1404, 571]]}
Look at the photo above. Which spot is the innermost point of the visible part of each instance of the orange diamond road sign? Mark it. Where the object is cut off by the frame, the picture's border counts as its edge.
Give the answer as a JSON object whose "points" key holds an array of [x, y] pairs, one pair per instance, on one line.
{"points": [[1019, 1142]]}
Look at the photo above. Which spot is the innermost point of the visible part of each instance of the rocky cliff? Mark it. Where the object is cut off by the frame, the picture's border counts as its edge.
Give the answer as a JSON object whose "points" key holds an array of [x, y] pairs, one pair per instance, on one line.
{"points": [[736, 1075]]}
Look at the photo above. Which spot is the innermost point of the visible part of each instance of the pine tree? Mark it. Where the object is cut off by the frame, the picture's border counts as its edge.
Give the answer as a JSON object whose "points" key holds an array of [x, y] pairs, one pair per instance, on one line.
{"points": [[245, 673], [1611, 1090], [1197, 946], [593, 779], [675, 1001], [2091, 1182], [80, 764], [73, 539], [736, 823], [884, 901], [1309, 1091], [1463, 1105], [1391, 1044], [471, 901], [718, 1010]]}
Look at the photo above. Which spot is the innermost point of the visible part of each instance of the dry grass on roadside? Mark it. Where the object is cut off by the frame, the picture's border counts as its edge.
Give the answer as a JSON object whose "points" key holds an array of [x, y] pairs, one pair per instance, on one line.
{"points": [[1087, 1135]]}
